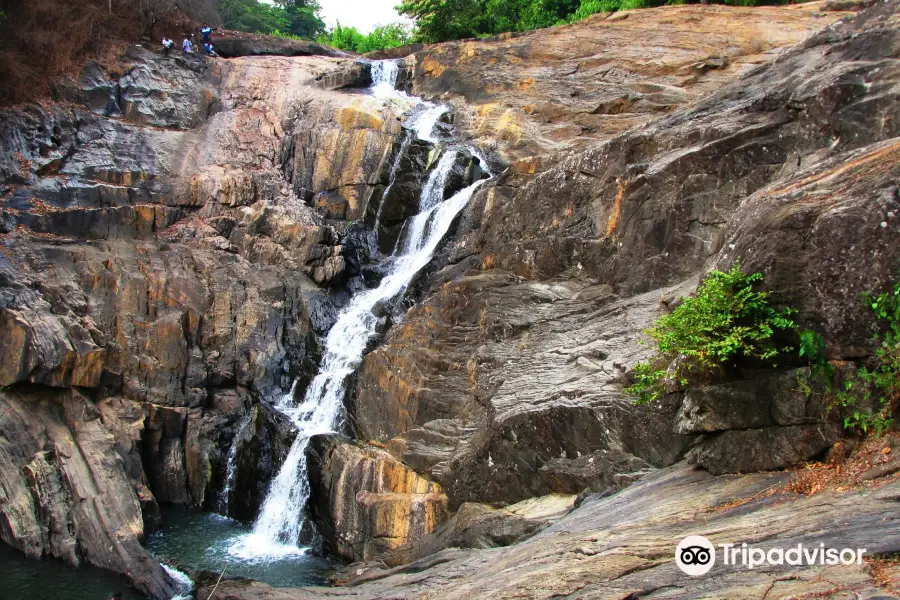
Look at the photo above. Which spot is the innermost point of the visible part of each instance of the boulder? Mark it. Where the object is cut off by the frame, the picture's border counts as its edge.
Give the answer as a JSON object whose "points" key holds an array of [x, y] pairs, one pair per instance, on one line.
{"points": [[600, 471], [764, 449], [64, 491], [365, 502], [232, 44]]}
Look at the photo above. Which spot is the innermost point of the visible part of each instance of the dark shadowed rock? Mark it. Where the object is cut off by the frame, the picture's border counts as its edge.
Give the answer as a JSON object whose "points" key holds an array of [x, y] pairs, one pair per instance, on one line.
{"points": [[262, 446], [231, 44], [765, 449]]}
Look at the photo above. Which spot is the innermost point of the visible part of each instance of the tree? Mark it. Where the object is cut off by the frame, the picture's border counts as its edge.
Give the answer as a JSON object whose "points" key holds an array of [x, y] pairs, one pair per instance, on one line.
{"points": [[381, 38], [303, 17], [253, 16], [443, 20]]}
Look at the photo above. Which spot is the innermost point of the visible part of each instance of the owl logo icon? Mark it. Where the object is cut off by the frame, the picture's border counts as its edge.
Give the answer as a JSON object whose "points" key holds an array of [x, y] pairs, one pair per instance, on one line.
{"points": [[695, 555]]}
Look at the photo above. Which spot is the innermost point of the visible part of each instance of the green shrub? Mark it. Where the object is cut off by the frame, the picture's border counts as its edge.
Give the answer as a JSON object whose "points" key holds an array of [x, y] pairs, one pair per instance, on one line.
{"points": [[880, 381], [877, 383], [725, 319]]}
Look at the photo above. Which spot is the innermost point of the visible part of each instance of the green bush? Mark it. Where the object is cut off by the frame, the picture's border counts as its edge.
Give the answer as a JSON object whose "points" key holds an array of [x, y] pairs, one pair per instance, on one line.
{"points": [[877, 383], [381, 38], [725, 319]]}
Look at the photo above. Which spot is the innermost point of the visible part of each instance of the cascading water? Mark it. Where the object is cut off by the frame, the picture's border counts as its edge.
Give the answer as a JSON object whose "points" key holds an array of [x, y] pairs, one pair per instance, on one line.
{"points": [[384, 77], [395, 168], [425, 123], [278, 526], [231, 469]]}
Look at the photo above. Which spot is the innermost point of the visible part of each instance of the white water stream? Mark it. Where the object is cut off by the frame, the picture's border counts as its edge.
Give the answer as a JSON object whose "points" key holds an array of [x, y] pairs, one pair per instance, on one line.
{"points": [[277, 529]]}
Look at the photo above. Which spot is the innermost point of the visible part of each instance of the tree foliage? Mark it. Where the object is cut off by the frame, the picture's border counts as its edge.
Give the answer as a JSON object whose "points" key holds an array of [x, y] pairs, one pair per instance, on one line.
{"points": [[298, 18], [381, 38]]}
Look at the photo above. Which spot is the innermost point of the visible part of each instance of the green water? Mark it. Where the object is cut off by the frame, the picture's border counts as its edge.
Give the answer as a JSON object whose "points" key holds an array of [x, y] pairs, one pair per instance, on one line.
{"points": [[23, 578], [191, 540]]}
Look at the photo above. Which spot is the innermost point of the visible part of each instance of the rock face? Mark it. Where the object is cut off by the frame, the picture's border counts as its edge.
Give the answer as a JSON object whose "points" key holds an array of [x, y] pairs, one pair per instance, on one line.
{"points": [[535, 92], [365, 502], [66, 489], [512, 365], [155, 257], [623, 546]]}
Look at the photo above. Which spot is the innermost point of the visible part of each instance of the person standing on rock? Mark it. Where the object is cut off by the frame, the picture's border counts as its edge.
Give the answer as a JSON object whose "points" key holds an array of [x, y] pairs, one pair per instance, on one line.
{"points": [[206, 32], [186, 45], [167, 45]]}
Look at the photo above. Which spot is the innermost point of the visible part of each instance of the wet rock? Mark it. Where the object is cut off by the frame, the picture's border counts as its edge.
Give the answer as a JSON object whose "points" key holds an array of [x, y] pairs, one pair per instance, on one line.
{"points": [[262, 447], [401, 201], [365, 502], [322, 313], [64, 491]]}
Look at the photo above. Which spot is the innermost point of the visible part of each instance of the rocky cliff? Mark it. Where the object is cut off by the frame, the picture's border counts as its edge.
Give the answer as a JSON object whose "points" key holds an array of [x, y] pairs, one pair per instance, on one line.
{"points": [[160, 277], [176, 239]]}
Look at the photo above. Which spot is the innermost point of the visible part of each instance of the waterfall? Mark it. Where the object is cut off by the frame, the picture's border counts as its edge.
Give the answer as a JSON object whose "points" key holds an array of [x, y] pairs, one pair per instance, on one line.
{"points": [[277, 529], [395, 168], [183, 584], [432, 195], [231, 468], [426, 121], [384, 77]]}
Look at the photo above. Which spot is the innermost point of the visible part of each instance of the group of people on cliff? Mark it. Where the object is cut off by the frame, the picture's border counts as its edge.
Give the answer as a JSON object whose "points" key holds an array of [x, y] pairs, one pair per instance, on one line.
{"points": [[188, 44]]}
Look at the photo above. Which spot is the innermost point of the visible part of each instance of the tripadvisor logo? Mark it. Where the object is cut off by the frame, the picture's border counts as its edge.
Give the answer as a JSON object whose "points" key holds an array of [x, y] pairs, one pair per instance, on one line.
{"points": [[696, 555]]}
